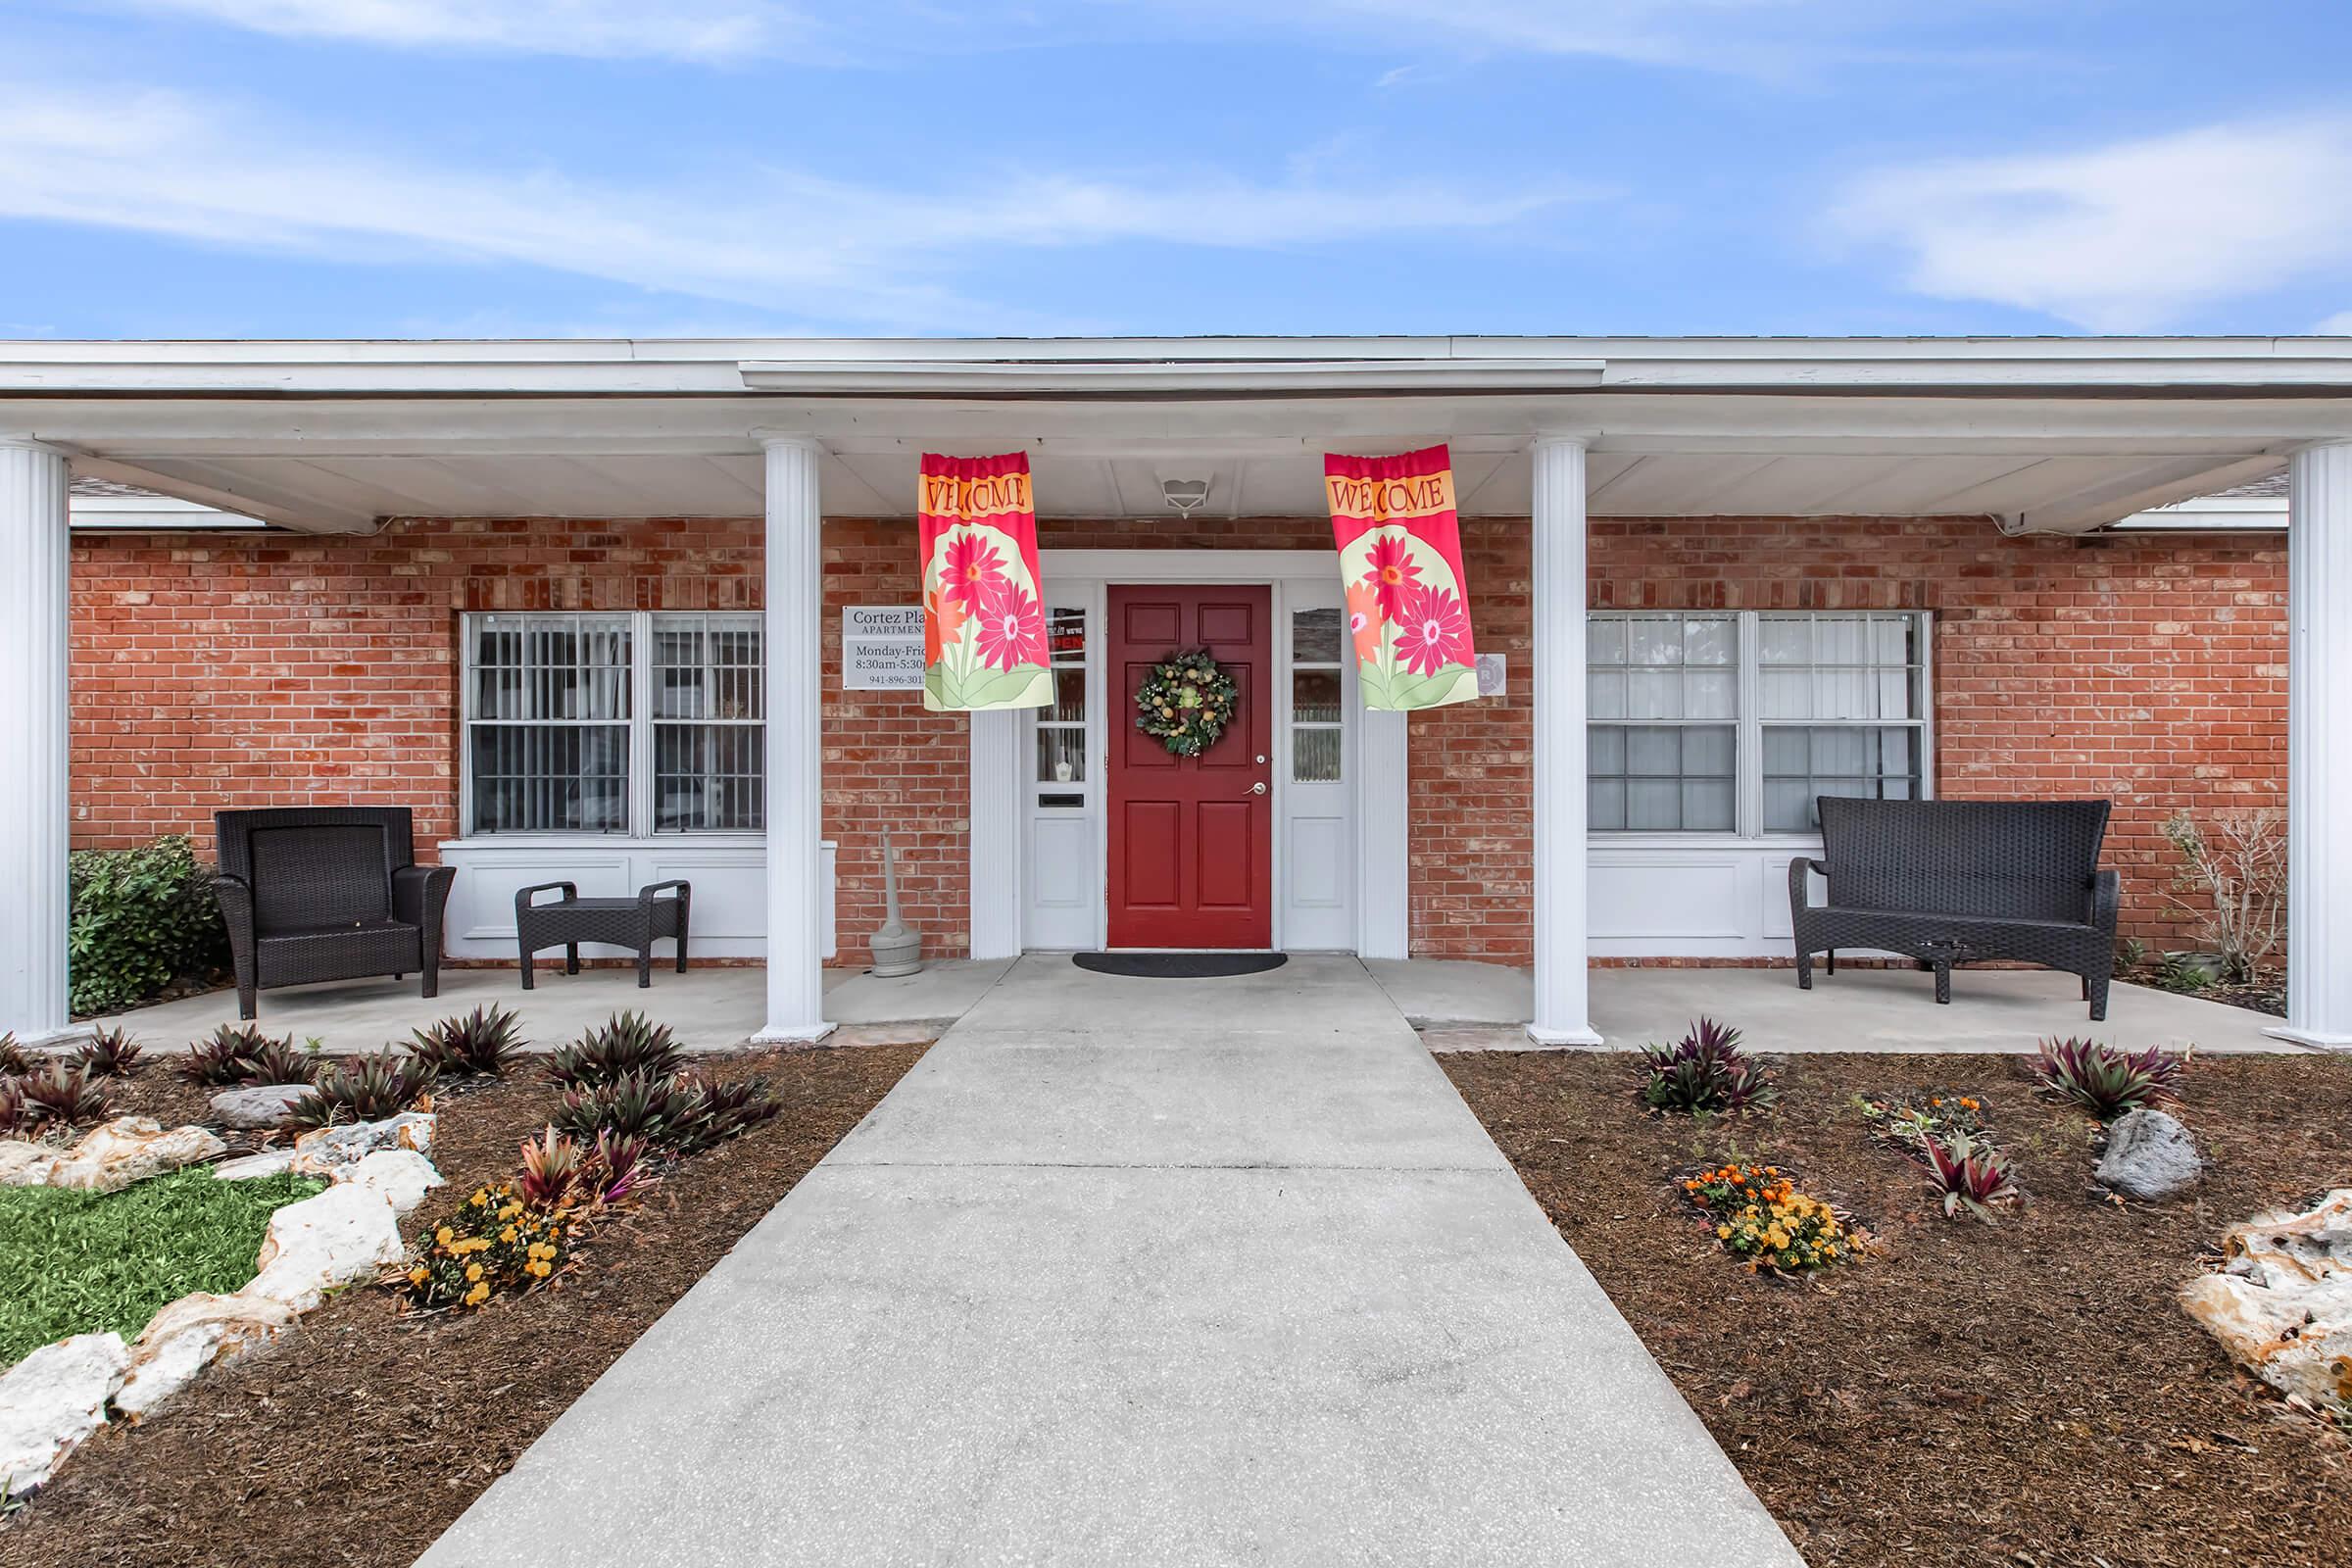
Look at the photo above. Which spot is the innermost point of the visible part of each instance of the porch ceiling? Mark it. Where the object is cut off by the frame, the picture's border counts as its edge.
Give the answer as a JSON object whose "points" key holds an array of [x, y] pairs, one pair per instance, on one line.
{"points": [[2051, 434]]}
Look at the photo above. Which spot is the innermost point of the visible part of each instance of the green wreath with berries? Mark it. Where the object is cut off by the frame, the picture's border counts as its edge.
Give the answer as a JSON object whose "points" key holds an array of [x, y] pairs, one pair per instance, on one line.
{"points": [[1186, 703]]}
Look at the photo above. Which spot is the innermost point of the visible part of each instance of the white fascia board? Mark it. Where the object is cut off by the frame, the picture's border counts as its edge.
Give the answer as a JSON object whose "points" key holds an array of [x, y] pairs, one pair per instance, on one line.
{"points": [[2211, 514], [122, 512], [1073, 378], [1232, 365]]}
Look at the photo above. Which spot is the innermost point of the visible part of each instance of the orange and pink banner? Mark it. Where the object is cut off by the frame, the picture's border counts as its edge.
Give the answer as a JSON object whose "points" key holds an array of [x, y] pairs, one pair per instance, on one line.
{"points": [[984, 619], [1401, 559]]}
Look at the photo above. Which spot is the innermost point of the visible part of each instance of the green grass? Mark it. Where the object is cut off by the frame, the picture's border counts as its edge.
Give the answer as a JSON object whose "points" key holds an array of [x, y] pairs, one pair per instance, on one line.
{"points": [[86, 1262]]}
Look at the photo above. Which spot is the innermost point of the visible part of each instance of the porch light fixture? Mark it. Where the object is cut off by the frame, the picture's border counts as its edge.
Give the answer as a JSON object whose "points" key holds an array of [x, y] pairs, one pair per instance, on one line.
{"points": [[1187, 496]]}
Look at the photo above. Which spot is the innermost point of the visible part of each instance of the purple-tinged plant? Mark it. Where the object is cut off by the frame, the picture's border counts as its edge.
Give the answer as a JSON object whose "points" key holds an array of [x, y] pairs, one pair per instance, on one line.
{"points": [[554, 1165], [282, 1061], [1969, 1173], [1704, 1071], [362, 1089], [219, 1059], [62, 1092], [110, 1053], [628, 1045], [617, 1170], [2104, 1080], [478, 1043], [15, 1060]]}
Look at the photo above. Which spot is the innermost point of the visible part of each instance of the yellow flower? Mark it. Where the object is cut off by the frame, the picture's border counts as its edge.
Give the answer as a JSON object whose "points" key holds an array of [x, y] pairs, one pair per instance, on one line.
{"points": [[417, 1275], [473, 1271], [1723, 1232], [507, 1235], [443, 1235], [478, 1296]]}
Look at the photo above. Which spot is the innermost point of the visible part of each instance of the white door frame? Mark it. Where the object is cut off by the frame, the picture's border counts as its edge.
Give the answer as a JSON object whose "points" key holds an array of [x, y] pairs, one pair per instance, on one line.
{"points": [[1000, 772]]}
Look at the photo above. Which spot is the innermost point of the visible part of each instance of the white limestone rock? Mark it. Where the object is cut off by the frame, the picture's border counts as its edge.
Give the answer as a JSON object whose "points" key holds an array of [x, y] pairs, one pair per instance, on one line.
{"points": [[323, 1151], [269, 1162], [259, 1106], [53, 1399], [189, 1334], [2149, 1155], [131, 1148], [2281, 1304], [27, 1164], [402, 1175], [344, 1234]]}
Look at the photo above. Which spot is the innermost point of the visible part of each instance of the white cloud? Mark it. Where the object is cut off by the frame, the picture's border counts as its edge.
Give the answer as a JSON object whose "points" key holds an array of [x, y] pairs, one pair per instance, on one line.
{"points": [[2125, 239], [673, 30], [2338, 325], [1774, 37], [779, 239]]}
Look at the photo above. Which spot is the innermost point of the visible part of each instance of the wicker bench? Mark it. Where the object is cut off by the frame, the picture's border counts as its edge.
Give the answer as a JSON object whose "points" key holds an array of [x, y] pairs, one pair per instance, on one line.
{"points": [[327, 892], [569, 920], [1949, 881]]}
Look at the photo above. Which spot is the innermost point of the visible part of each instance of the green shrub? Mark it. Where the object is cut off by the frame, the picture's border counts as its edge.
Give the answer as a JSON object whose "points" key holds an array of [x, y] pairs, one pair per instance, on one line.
{"points": [[142, 918]]}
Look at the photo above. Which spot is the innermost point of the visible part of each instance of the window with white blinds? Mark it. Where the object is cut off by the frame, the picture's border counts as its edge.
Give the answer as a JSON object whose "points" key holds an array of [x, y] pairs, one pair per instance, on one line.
{"points": [[628, 723], [1735, 721]]}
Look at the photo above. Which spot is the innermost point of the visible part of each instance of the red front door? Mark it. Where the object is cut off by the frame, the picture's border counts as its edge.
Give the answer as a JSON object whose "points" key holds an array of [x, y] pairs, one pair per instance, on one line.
{"points": [[1192, 862]]}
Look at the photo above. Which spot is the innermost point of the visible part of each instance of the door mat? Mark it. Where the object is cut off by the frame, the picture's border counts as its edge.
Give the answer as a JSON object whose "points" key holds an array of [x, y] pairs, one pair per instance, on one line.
{"points": [[1180, 965]]}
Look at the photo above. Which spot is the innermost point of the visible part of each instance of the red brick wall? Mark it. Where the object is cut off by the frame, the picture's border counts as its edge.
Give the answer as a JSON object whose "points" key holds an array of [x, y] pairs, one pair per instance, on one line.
{"points": [[218, 671], [2150, 669], [227, 669]]}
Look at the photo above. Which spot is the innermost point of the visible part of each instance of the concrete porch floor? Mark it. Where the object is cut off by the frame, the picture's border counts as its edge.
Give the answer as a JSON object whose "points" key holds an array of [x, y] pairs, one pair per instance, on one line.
{"points": [[1459, 1006]]}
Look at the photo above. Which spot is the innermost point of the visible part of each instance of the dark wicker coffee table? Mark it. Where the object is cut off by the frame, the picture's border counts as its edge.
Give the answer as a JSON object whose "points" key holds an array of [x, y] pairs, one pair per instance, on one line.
{"points": [[569, 920]]}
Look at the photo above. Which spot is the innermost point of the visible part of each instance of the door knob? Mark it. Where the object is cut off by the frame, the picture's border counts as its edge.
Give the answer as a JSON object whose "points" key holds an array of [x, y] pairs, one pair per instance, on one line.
{"points": [[1258, 787]]}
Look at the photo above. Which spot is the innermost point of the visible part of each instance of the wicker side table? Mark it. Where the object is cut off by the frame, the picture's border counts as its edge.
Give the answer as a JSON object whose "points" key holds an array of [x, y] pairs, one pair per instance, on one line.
{"points": [[569, 920]]}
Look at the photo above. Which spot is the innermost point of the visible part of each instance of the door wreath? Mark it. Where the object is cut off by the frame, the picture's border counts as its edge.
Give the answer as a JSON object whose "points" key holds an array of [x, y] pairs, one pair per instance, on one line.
{"points": [[1186, 702]]}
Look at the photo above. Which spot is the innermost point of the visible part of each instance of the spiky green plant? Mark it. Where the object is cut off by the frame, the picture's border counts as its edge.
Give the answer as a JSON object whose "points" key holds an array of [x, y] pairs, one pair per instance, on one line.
{"points": [[2104, 1080], [628, 1045], [662, 1111], [64, 1092], [282, 1061], [110, 1053], [483, 1042], [726, 1110], [1703, 1071], [219, 1059], [362, 1089], [1969, 1173]]}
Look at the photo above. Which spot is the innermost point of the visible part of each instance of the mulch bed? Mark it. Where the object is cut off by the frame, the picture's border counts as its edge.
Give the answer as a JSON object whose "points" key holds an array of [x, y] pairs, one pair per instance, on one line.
{"points": [[360, 1435], [2027, 1393]]}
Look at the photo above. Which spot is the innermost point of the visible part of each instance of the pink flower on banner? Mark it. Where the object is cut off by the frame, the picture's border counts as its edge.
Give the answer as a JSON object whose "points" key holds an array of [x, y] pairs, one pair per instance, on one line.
{"points": [[1431, 631], [972, 565], [1392, 572], [1013, 630]]}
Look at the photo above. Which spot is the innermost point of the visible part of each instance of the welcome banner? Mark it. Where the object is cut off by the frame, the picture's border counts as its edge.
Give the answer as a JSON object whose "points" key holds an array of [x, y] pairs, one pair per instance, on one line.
{"points": [[1401, 559], [984, 626]]}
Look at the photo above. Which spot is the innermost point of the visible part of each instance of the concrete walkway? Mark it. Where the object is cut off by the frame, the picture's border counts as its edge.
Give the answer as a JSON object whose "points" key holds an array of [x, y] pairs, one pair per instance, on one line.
{"points": [[1484, 1006], [1140, 1272]]}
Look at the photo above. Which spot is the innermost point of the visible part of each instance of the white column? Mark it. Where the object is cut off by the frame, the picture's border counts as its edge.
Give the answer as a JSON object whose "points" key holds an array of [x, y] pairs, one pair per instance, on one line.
{"points": [[2319, 745], [1563, 1016], [995, 903], [34, 797], [795, 600]]}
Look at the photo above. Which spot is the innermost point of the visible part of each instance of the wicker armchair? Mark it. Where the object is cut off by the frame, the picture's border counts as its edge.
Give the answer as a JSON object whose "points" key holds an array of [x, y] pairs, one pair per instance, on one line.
{"points": [[327, 893], [1949, 881]]}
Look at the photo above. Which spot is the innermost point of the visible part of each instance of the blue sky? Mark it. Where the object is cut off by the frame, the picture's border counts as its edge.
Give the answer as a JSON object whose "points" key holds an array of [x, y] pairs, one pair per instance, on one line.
{"points": [[495, 167]]}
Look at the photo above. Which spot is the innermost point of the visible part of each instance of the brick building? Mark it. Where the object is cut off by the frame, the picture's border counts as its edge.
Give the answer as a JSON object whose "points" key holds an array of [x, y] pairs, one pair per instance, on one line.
{"points": [[528, 591]]}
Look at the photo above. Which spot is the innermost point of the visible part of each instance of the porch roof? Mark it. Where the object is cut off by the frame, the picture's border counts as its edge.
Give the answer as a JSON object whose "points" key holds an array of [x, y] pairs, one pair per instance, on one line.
{"points": [[2061, 434]]}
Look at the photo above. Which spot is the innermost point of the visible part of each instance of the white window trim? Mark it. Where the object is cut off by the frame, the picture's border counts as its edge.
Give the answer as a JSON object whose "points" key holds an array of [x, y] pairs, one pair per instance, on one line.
{"points": [[641, 725], [1748, 741]]}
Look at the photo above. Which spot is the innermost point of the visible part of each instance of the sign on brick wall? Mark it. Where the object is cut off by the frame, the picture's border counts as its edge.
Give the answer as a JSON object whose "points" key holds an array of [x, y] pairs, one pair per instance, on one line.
{"points": [[882, 647]]}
